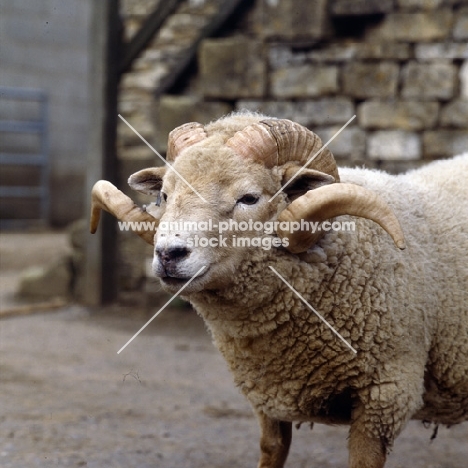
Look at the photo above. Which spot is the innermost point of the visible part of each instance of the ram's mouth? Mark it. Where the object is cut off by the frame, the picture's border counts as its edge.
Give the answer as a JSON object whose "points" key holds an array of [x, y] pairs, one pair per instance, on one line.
{"points": [[173, 282]]}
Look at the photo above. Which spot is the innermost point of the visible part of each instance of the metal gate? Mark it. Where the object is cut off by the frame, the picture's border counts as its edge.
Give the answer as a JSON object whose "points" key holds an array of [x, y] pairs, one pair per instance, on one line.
{"points": [[24, 115]]}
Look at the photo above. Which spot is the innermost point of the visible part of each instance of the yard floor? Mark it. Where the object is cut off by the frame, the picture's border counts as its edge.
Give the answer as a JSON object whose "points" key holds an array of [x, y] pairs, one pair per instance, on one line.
{"points": [[67, 399]]}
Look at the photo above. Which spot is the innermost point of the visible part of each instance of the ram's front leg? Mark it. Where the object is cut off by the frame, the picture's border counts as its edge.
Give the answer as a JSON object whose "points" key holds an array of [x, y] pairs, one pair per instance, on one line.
{"points": [[275, 440], [365, 451], [380, 415]]}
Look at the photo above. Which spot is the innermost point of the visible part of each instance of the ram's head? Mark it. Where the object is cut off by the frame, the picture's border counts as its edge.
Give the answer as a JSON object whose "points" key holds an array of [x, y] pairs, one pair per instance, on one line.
{"points": [[237, 169]]}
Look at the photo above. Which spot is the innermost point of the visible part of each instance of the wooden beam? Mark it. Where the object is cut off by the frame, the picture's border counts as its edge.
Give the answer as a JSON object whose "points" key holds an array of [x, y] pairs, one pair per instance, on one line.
{"points": [[101, 248], [147, 31]]}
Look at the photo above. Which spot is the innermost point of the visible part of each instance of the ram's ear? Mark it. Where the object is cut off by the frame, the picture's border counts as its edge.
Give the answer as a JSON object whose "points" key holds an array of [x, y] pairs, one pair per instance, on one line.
{"points": [[305, 180], [148, 181]]}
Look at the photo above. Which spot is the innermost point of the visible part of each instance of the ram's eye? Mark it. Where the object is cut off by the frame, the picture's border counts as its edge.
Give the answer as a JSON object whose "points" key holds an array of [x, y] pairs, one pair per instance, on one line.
{"points": [[248, 199], [158, 198]]}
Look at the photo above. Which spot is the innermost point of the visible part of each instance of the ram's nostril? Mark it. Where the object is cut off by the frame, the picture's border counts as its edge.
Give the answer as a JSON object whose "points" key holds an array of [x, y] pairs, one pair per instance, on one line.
{"points": [[172, 254], [178, 252]]}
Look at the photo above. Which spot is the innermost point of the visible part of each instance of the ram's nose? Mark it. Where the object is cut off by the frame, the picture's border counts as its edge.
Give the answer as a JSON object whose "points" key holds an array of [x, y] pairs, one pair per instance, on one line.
{"points": [[171, 255]]}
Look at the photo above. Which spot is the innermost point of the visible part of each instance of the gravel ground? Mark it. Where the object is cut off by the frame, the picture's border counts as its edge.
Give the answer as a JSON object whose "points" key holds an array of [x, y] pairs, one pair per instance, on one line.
{"points": [[69, 400]]}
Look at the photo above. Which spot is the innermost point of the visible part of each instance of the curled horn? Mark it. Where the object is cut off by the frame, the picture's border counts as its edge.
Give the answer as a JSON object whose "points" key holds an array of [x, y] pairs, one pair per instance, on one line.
{"points": [[274, 142], [182, 137], [277, 141], [106, 196], [334, 200]]}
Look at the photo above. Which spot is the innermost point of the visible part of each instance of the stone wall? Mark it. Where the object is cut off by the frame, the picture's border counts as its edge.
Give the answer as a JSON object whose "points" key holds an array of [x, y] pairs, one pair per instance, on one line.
{"points": [[400, 66]]}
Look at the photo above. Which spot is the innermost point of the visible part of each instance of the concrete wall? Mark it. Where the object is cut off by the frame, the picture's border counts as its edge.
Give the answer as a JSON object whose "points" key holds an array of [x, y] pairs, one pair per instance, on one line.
{"points": [[44, 44]]}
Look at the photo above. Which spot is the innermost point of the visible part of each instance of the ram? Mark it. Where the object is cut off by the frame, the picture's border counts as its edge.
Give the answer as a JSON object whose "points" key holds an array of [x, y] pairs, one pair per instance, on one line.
{"points": [[333, 326]]}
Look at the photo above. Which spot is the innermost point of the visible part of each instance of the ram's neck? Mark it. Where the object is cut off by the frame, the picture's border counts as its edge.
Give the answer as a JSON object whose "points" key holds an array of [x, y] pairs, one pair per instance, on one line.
{"points": [[258, 301]]}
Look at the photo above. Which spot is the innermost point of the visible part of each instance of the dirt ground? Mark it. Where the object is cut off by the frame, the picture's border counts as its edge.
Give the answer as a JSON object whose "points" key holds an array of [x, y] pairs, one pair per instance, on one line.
{"points": [[67, 399]]}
